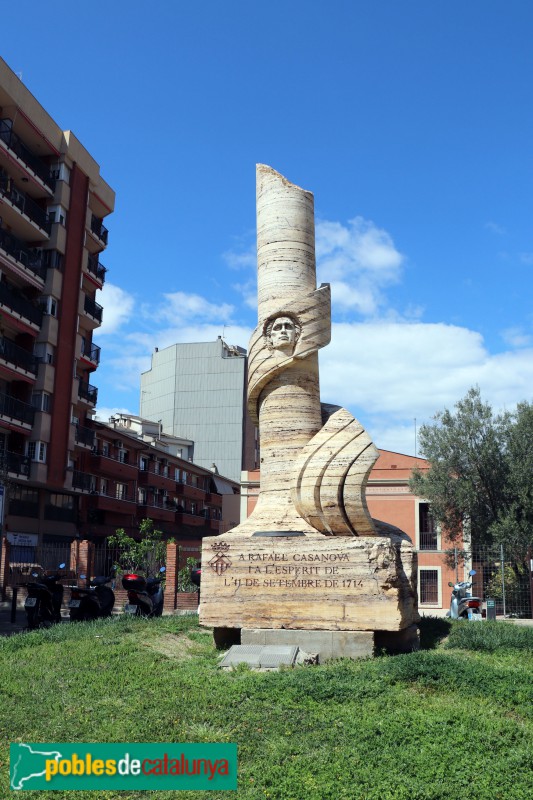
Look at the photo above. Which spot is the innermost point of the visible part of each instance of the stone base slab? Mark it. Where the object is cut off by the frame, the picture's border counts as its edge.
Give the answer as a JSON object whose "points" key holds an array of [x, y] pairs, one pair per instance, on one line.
{"points": [[308, 582], [326, 644]]}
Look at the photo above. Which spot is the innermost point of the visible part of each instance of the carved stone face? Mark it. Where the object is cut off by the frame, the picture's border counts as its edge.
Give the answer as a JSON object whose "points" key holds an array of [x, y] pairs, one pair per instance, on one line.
{"points": [[283, 333]]}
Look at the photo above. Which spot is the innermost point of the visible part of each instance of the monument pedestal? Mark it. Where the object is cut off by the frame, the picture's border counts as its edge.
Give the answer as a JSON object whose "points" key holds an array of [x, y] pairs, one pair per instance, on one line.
{"points": [[328, 594]]}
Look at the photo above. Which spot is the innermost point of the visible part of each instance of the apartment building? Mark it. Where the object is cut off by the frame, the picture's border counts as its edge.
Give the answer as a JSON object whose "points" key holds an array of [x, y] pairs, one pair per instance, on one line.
{"points": [[128, 476], [198, 390], [53, 203]]}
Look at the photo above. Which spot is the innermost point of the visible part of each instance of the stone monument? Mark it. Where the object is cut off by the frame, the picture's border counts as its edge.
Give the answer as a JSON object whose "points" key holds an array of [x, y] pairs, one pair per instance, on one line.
{"points": [[309, 567]]}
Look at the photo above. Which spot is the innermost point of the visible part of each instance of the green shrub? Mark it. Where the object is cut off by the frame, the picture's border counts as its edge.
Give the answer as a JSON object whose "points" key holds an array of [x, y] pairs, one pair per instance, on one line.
{"points": [[432, 631], [490, 636]]}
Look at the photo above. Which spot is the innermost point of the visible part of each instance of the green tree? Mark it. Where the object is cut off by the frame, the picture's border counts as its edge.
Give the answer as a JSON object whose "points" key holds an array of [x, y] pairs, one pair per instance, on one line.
{"points": [[144, 555], [467, 483], [514, 525]]}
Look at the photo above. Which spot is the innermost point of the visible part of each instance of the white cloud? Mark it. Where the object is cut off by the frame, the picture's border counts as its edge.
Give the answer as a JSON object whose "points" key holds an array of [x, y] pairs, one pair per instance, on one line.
{"points": [[359, 260], [400, 371], [103, 413], [493, 227], [241, 259], [118, 309], [184, 306], [516, 337]]}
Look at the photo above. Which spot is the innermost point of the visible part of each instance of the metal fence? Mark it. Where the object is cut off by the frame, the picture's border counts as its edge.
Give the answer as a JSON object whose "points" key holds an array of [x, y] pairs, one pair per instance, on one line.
{"points": [[500, 576], [23, 560]]}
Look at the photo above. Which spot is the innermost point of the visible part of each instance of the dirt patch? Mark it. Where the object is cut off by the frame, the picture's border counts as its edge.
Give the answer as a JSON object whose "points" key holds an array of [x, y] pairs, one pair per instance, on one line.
{"points": [[171, 645]]}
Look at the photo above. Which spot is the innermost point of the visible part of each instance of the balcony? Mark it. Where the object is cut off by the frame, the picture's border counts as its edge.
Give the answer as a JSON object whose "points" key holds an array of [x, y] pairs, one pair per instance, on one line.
{"points": [[148, 477], [98, 228], [15, 463], [16, 410], [14, 356], [88, 393], [191, 492], [96, 269], [17, 146], [23, 203], [156, 510], [93, 309], [82, 480], [198, 520], [90, 351], [28, 258], [113, 467], [19, 304], [123, 504], [84, 436]]}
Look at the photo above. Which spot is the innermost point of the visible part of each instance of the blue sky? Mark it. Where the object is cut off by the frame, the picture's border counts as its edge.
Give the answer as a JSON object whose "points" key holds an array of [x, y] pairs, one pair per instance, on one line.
{"points": [[410, 121]]}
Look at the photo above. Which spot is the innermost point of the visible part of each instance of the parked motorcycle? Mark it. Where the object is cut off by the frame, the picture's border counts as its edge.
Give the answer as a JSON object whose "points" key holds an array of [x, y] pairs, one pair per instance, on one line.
{"points": [[145, 595], [462, 604], [43, 602], [97, 600]]}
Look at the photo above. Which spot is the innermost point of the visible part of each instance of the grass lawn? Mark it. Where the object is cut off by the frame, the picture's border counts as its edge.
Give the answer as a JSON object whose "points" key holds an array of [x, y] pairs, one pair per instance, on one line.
{"points": [[453, 721]]}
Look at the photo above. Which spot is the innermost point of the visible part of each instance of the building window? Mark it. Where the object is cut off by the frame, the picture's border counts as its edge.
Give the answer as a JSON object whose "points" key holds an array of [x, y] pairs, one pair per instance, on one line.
{"points": [[23, 502], [41, 401], [60, 172], [121, 491], [123, 456], [60, 507], [177, 475], [53, 259], [103, 486], [44, 351], [427, 530], [194, 480], [429, 583], [48, 305], [143, 464], [57, 214], [36, 451], [105, 449], [142, 497]]}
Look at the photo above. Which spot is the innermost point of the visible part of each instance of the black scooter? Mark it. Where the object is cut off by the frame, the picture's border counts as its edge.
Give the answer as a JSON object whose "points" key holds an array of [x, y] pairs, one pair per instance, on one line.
{"points": [[145, 595], [43, 603], [93, 602]]}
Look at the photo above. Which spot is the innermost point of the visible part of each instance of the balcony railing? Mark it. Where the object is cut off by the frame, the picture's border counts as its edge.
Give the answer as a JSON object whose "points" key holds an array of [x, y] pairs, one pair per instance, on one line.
{"points": [[23, 202], [18, 147], [32, 259], [96, 269], [91, 351], [92, 308], [98, 227], [13, 354], [82, 480], [19, 304], [85, 435], [16, 409], [15, 463], [88, 392], [428, 540]]}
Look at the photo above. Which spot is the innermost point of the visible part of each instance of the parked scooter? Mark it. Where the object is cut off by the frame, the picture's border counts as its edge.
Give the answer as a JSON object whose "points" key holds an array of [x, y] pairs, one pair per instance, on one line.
{"points": [[97, 600], [462, 604], [45, 595], [145, 595]]}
